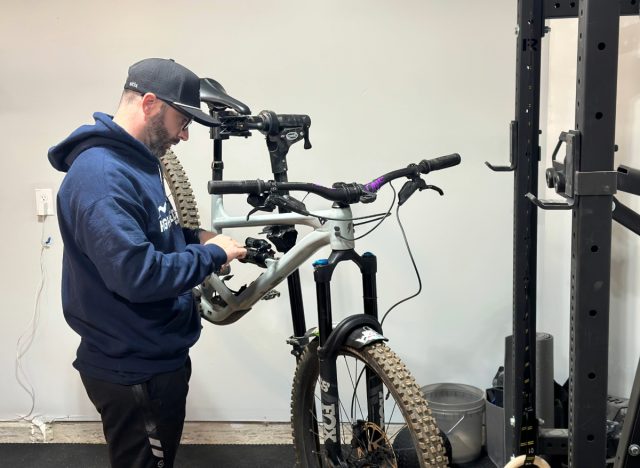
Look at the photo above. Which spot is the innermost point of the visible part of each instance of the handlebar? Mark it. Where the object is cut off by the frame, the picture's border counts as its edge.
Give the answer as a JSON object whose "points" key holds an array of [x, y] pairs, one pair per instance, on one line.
{"points": [[339, 192]]}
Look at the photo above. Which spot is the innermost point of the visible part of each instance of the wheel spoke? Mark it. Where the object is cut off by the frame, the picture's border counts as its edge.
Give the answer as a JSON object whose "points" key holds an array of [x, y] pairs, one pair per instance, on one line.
{"points": [[395, 405], [354, 385], [393, 436]]}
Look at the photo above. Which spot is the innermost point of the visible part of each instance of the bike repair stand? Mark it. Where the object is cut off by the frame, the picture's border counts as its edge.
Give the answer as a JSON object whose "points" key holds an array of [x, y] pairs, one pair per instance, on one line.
{"points": [[588, 182], [279, 139]]}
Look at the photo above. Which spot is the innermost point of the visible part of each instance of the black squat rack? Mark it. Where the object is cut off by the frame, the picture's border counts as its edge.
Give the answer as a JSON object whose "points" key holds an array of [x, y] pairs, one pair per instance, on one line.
{"points": [[587, 182]]}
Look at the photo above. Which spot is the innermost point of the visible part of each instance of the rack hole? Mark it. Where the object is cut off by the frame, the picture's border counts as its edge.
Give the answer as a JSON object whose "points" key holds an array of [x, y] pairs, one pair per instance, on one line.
{"points": [[599, 115], [594, 248], [590, 437], [591, 375], [556, 5], [593, 313], [572, 4], [601, 46]]}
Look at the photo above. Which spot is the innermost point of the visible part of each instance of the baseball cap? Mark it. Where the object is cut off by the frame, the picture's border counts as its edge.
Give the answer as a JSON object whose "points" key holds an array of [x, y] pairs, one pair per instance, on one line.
{"points": [[171, 82]]}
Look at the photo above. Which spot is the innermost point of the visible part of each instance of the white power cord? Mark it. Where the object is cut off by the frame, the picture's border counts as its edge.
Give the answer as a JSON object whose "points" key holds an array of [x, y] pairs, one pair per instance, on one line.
{"points": [[26, 339]]}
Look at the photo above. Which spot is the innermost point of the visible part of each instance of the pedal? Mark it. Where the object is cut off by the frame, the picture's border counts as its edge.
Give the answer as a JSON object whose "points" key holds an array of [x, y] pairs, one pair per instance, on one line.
{"points": [[271, 295]]}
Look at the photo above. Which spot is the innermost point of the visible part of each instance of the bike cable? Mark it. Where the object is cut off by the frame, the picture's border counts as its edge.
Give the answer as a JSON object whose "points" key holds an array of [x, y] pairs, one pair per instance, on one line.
{"points": [[380, 218], [376, 216], [415, 267]]}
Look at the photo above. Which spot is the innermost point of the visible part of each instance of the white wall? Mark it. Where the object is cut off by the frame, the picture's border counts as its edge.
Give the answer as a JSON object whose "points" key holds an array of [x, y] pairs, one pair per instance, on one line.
{"points": [[385, 83]]}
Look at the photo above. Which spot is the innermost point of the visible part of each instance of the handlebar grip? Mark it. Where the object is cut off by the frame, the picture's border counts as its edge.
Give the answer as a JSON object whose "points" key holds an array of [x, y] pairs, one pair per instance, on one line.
{"points": [[435, 164], [219, 187], [293, 120]]}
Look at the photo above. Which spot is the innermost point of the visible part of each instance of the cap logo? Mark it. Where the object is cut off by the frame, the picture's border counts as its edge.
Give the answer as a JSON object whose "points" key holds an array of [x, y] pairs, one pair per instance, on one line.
{"points": [[133, 84]]}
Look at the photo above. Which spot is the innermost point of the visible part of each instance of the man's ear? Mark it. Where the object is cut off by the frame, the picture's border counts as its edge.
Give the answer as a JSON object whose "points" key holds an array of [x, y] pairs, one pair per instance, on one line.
{"points": [[150, 104]]}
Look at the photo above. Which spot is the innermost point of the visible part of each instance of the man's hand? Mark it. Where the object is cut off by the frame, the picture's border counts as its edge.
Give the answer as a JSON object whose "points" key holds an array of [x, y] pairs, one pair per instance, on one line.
{"points": [[232, 248]]}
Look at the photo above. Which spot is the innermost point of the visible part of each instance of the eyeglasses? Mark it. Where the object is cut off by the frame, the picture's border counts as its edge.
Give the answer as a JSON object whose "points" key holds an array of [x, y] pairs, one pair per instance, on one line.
{"points": [[177, 109]]}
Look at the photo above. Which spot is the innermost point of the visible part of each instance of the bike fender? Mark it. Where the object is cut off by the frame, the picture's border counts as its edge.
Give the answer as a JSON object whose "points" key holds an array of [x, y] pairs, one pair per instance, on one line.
{"points": [[364, 336], [356, 331]]}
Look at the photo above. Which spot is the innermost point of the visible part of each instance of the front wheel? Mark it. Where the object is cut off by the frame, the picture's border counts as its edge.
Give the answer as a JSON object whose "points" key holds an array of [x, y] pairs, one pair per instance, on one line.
{"points": [[407, 436]]}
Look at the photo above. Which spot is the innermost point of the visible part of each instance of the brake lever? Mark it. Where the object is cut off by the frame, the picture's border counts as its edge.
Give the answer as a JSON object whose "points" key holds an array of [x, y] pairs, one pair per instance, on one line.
{"points": [[288, 203], [268, 206], [411, 186], [435, 188]]}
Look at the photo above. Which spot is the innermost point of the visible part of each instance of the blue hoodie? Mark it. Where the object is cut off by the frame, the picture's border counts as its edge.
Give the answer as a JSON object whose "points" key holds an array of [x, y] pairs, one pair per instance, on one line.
{"points": [[128, 266]]}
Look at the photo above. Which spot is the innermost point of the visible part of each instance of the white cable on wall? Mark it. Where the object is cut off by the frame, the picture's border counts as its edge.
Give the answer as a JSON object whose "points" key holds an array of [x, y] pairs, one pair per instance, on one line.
{"points": [[27, 337]]}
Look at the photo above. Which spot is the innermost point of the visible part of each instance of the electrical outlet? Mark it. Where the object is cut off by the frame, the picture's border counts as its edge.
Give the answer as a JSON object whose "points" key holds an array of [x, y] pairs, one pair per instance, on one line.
{"points": [[44, 202]]}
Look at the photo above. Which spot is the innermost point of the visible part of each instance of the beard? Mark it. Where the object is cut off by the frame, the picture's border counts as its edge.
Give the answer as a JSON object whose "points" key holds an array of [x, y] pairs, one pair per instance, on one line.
{"points": [[158, 139]]}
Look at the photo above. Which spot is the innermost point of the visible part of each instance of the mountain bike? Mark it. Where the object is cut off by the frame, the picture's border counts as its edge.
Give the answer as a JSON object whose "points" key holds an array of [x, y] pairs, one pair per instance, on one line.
{"points": [[353, 401]]}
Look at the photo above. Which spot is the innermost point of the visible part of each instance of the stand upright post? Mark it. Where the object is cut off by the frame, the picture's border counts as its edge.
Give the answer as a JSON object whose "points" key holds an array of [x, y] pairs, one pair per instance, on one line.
{"points": [[525, 136], [599, 24]]}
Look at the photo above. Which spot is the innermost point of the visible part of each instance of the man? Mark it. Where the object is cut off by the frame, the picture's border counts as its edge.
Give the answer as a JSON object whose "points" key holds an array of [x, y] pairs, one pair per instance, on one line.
{"points": [[129, 267]]}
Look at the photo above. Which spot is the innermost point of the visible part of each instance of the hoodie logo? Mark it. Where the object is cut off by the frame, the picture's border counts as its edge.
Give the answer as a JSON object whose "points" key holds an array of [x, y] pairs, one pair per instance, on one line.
{"points": [[167, 217]]}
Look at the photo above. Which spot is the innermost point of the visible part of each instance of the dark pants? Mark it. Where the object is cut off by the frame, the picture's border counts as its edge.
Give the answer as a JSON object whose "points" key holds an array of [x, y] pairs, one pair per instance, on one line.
{"points": [[142, 423]]}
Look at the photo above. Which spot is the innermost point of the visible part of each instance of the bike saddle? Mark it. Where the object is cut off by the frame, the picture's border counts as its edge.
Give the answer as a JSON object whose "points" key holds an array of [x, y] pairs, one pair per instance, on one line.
{"points": [[216, 97]]}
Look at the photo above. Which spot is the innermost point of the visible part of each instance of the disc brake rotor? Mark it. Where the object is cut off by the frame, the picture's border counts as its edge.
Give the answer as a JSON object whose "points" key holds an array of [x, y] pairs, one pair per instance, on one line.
{"points": [[372, 447]]}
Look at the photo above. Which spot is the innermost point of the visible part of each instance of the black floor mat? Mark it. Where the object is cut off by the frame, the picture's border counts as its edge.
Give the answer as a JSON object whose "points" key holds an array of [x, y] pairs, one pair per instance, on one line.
{"points": [[189, 456]]}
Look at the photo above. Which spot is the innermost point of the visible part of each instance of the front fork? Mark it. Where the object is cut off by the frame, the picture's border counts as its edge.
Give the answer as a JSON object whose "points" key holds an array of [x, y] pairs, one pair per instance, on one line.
{"points": [[332, 340]]}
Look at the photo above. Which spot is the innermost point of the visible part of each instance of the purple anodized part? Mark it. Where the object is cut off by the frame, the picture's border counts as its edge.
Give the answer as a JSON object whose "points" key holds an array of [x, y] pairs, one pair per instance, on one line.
{"points": [[375, 185]]}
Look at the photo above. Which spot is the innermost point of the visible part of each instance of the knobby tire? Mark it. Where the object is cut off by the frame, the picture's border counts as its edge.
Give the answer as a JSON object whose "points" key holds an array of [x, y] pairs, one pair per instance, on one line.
{"points": [[183, 199]]}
